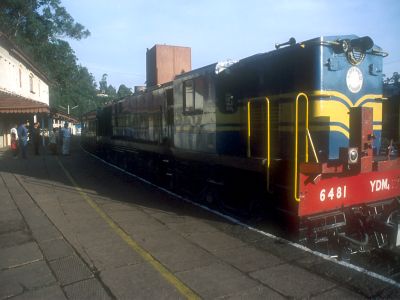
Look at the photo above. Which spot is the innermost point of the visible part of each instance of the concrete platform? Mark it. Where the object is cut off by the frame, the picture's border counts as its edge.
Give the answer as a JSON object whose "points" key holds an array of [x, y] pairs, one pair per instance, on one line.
{"points": [[73, 228]]}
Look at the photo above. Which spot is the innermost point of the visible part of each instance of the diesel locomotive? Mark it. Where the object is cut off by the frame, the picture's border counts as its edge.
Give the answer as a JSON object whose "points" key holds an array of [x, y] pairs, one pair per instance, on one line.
{"points": [[298, 129]]}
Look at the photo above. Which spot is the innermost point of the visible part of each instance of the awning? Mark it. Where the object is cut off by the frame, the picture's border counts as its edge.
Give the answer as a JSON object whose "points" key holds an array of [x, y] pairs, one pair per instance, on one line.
{"points": [[10, 105]]}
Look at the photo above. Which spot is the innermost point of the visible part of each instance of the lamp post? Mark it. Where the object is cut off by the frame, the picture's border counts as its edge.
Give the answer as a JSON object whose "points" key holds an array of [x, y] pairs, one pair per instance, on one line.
{"points": [[72, 108], [68, 108]]}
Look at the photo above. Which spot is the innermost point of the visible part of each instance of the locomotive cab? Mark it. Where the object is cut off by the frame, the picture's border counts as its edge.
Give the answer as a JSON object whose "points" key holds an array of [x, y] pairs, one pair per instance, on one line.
{"points": [[356, 196]]}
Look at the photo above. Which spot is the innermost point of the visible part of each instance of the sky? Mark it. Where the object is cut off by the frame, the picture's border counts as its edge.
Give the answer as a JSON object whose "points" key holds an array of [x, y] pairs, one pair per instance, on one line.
{"points": [[218, 30]]}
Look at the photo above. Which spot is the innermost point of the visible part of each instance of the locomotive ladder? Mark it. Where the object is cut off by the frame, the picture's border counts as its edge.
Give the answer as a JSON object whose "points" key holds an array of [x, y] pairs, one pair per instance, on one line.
{"points": [[267, 131], [307, 140], [254, 118], [296, 141]]}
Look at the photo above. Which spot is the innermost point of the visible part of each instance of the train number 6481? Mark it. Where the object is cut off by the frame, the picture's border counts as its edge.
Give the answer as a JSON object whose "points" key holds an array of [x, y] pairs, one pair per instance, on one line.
{"points": [[333, 193]]}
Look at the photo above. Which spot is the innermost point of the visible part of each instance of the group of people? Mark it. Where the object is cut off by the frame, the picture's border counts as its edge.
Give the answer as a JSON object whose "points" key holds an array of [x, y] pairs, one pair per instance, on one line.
{"points": [[62, 137], [19, 139]]}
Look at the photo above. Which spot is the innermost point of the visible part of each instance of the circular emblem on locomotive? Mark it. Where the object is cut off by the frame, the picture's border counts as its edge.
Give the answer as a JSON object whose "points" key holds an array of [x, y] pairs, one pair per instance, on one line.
{"points": [[354, 79]]}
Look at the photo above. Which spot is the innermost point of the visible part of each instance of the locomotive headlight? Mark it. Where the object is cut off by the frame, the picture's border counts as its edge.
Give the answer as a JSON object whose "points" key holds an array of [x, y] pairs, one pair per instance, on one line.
{"points": [[354, 79], [345, 45], [353, 155]]}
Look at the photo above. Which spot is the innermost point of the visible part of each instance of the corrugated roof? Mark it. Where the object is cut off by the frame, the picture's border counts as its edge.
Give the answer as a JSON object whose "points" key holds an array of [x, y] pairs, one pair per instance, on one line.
{"points": [[21, 105]]}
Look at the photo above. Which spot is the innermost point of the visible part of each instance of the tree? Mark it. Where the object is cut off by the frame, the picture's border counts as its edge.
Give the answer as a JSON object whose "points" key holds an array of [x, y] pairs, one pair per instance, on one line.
{"points": [[394, 80], [123, 91], [111, 92], [39, 27], [38, 20], [106, 93], [103, 84]]}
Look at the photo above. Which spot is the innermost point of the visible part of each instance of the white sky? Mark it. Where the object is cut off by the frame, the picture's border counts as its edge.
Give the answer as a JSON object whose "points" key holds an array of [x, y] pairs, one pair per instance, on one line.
{"points": [[216, 30]]}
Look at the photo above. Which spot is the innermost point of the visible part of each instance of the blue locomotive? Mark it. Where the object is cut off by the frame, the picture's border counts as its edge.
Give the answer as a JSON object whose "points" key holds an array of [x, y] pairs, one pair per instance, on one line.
{"points": [[297, 129]]}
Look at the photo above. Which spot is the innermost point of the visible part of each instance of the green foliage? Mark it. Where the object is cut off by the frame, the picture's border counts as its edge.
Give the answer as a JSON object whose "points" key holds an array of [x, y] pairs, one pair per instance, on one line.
{"points": [[103, 84], [108, 93], [123, 91], [111, 92], [38, 20], [39, 28]]}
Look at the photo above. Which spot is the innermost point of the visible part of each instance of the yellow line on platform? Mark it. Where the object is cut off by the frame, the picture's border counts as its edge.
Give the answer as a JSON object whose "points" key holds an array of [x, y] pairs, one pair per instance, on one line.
{"points": [[171, 278]]}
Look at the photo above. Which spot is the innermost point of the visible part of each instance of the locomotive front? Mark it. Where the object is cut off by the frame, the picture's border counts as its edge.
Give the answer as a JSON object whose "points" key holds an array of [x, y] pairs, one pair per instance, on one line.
{"points": [[347, 193]]}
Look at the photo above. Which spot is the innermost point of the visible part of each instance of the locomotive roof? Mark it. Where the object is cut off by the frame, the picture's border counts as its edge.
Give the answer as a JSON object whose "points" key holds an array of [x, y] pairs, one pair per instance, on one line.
{"points": [[212, 67], [204, 69], [215, 67], [312, 42]]}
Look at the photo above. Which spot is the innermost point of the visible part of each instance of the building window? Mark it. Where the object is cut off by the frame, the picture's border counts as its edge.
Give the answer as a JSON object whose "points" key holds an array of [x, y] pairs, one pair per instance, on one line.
{"points": [[193, 95], [31, 83], [20, 76]]}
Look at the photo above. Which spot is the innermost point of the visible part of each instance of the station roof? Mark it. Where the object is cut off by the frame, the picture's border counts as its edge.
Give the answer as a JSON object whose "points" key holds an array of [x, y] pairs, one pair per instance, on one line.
{"points": [[14, 104]]}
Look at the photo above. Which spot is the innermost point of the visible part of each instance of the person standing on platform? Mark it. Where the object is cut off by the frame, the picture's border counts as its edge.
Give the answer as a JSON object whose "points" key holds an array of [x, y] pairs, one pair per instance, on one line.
{"points": [[23, 137], [53, 141], [14, 141], [66, 137], [36, 137], [60, 137], [15, 131]]}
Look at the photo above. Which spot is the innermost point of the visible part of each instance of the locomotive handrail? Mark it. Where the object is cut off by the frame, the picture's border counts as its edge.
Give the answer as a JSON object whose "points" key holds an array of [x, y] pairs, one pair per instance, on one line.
{"points": [[268, 139], [379, 53], [296, 141], [268, 142], [339, 43], [312, 146], [248, 129]]}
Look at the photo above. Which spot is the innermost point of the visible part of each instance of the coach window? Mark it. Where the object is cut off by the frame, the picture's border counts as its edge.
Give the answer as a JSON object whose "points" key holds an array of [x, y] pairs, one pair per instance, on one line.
{"points": [[194, 91], [188, 105], [200, 90]]}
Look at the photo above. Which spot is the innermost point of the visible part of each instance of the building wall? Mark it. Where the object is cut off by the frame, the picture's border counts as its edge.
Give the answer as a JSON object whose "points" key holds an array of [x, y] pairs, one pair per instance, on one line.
{"points": [[164, 62], [16, 79]]}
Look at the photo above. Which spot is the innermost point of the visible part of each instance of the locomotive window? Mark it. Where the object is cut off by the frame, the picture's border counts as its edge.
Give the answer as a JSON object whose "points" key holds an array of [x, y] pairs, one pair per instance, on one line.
{"points": [[194, 94], [188, 104], [200, 90]]}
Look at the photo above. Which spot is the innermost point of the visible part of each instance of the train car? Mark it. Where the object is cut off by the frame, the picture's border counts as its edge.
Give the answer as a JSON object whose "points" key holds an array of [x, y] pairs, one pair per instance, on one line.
{"points": [[297, 129]]}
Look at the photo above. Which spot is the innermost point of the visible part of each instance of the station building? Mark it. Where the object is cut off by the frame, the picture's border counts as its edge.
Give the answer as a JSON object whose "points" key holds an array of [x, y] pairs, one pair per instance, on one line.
{"points": [[24, 93], [24, 90]]}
